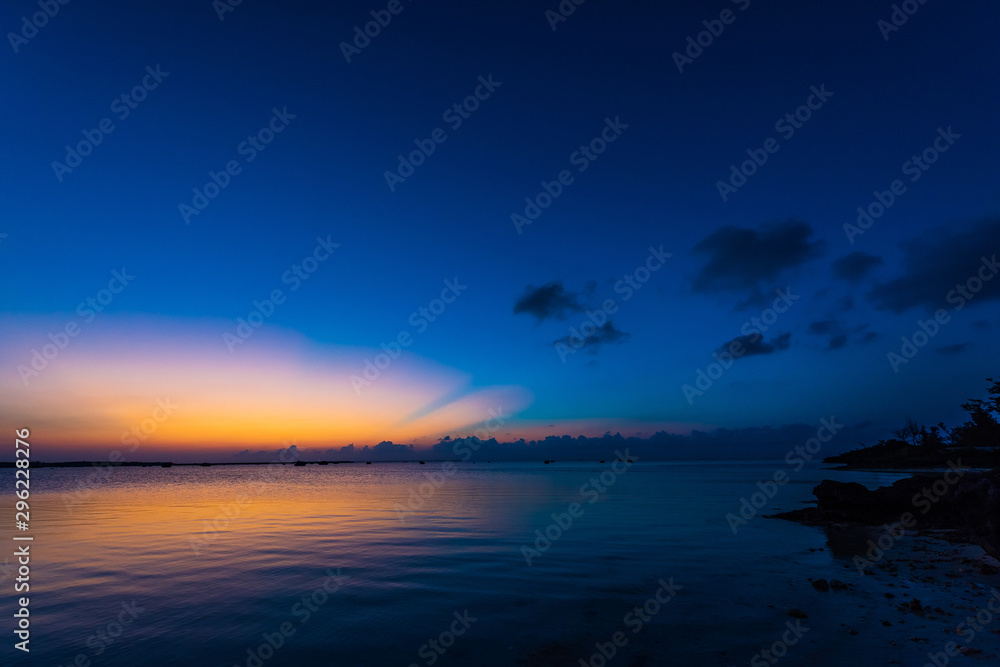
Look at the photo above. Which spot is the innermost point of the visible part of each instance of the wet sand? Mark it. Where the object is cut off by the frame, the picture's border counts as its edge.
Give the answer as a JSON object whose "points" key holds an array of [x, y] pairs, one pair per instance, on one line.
{"points": [[911, 604]]}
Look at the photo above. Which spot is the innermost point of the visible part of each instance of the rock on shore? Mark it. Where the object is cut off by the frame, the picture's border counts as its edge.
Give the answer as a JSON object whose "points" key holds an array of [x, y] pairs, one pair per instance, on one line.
{"points": [[965, 503]]}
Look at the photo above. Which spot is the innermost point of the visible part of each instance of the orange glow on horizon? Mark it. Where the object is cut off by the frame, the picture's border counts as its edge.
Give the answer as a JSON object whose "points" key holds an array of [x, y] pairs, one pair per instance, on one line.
{"points": [[197, 395]]}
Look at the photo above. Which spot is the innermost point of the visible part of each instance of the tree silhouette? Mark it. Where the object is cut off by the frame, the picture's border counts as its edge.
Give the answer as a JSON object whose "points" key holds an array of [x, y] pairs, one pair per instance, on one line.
{"points": [[982, 429]]}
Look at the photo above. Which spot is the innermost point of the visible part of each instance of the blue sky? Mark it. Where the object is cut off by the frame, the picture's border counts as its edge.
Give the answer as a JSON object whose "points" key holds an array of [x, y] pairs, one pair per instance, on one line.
{"points": [[655, 185]]}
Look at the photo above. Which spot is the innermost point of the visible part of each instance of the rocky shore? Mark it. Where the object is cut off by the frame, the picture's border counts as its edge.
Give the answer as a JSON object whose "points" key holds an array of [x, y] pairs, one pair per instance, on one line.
{"points": [[956, 504]]}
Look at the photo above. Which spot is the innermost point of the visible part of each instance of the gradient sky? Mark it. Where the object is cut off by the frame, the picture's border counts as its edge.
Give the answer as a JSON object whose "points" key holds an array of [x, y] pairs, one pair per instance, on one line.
{"points": [[494, 346]]}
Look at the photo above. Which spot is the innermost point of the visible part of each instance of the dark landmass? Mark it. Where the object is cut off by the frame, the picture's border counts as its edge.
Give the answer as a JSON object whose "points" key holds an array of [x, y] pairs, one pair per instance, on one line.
{"points": [[895, 454], [916, 446], [962, 506]]}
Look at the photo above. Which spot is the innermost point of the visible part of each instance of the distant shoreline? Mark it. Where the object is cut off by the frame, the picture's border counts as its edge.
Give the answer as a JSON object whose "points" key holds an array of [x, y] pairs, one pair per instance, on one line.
{"points": [[153, 464], [872, 466], [914, 458]]}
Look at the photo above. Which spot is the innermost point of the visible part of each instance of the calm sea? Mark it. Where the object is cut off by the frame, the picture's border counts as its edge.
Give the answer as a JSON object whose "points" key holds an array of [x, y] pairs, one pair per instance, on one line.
{"points": [[320, 565]]}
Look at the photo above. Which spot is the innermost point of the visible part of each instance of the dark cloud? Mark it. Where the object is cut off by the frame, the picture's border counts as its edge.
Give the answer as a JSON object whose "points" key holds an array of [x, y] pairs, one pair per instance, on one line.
{"points": [[836, 332], [855, 267], [764, 442], [550, 300], [823, 327], [605, 334], [739, 259], [280, 455], [837, 341], [866, 336], [936, 263], [768, 442], [755, 344], [389, 448], [952, 349], [843, 303]]}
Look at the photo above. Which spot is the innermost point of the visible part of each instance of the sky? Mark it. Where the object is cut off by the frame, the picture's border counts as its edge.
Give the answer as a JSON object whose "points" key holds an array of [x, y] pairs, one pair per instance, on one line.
{"points": [[521, 220]]}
